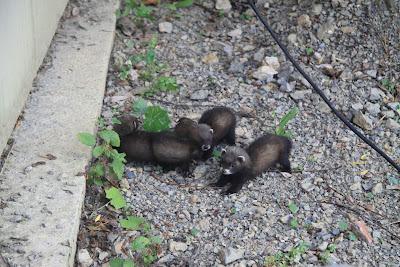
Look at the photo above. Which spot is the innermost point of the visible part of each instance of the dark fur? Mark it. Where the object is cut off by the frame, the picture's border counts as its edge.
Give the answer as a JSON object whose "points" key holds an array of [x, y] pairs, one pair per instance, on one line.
{"points": [[165, 148], [242, 165], [129, 123], [200, 133], [223, 121]]}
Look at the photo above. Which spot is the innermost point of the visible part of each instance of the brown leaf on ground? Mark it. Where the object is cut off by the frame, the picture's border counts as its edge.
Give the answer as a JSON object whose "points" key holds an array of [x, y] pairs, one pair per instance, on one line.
{"points": [[362, 230]]}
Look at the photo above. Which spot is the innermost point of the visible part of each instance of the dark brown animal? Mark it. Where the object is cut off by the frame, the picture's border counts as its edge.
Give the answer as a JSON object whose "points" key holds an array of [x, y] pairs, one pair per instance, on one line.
{"points": [[240, 165], [223, 122], [164, 148], [200, 133], [129, 123]]}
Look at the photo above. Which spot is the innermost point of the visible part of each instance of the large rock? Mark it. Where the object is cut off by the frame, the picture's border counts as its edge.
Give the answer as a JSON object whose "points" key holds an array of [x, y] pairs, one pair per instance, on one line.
{"points": [[224, 5], [199, 95], [165, 27], [372, 108], [84, 259], [362, 120], [272, 62], [230, 255], [177, 246], [264, 72], [376, 94]]}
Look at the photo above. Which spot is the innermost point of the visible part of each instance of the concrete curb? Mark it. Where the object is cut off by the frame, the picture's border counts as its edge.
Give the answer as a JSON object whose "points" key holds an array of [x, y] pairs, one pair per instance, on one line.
{"points": [[41, 198]]}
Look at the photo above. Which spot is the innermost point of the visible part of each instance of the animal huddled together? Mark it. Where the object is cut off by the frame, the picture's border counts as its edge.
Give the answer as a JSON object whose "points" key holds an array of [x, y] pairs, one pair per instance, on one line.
{"points": [[190, 140]]}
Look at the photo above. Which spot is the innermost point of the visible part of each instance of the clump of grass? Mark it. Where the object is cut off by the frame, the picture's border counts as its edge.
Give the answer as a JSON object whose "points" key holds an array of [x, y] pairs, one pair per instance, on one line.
{"points": [[283, 259]]}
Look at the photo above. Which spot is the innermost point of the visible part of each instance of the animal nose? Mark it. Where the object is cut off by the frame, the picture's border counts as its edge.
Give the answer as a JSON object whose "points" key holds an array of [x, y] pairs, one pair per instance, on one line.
{"points": [[205, 147], [226, 171]]}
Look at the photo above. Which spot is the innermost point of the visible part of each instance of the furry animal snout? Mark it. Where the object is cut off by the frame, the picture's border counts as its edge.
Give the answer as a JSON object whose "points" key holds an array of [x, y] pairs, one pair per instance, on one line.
{"points": [[227, 171]]}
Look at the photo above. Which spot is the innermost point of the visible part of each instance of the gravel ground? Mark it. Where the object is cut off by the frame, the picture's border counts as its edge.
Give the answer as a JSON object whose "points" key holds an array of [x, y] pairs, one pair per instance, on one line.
{"points": [[218, 58]]}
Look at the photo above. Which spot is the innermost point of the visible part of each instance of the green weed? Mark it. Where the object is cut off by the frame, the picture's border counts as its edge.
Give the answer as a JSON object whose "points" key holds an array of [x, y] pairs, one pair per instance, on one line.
{"points": [[109, 159], [145, 247], [155, 118], [283, 259], [389, 86], [309, 51], [280, 129]]}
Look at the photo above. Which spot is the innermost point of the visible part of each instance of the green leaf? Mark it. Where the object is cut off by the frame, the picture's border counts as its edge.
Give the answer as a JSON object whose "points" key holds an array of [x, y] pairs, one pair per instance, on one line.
{"points": [[216, 154], [294, 223], [98, 151], [184, 3], [139, 106], [136, 59], [352, 236], [140, 243], [128, 263], [96, 170], [118, 13], [98, 181], [156, 119], [309, 51], [87, 139], [115, 121], [110, 137], [117, 200], [150, 56], [117, 262], [155, 240], [101, 123], [134, 223], [143, 11], [290, 115], [293, 208], [171, 6], [149, 258], [118, 168], [194, 231], [166, 84], [331, 248], [343, 225], [153, 42]]}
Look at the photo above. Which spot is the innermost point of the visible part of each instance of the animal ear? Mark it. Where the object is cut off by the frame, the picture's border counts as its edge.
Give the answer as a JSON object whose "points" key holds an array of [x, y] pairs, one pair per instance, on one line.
{"points": [[223, 151], [211, 131], [241, 158]]}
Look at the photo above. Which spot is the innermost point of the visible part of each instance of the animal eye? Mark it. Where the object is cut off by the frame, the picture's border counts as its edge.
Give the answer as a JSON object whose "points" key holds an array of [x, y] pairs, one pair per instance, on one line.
{"points": [[211, 131]]}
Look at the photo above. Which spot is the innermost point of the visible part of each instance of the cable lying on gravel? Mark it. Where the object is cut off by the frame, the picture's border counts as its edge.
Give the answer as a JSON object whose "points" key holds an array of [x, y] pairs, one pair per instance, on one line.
{"points": [[319, 91]]}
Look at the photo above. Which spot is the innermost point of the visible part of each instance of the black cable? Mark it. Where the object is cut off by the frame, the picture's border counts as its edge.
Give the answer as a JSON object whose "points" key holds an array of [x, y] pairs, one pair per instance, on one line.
{"points": [[319, 91]]}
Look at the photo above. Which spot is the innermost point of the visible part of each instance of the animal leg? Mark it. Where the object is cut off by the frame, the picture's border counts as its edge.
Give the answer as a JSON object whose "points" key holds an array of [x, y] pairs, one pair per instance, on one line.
{"points": [[185, 169], [230, 138], [235, 186], [222, 181], [207, 154], [285, 163]]}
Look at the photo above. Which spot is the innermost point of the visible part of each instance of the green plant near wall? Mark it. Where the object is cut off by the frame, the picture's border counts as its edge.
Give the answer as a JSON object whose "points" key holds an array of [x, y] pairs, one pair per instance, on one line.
{"points": [[139, 12], [155, 118], [145, 247], [109, 160]]}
